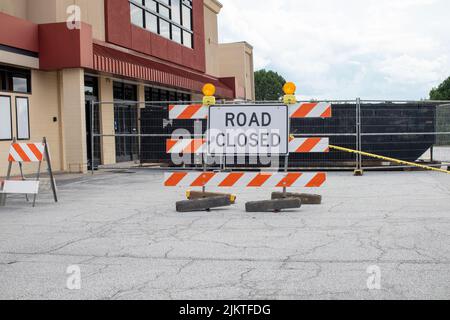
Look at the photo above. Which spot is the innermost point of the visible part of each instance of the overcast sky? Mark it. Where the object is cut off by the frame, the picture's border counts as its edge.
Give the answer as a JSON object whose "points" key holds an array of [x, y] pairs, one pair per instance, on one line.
{"points": [[386, 49]]}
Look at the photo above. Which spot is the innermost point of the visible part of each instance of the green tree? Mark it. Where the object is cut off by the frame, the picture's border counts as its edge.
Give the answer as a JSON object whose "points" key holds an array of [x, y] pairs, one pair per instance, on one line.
{"points": [[442, 92], [268, 85]]}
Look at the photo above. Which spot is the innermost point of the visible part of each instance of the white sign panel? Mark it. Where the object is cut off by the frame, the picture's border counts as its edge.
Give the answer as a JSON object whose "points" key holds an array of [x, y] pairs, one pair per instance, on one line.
{"points": [[248, 130]]}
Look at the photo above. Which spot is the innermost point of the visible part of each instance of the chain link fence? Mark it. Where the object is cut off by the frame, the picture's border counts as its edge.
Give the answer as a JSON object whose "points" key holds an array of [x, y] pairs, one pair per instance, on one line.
{"points": [[130, 134]]}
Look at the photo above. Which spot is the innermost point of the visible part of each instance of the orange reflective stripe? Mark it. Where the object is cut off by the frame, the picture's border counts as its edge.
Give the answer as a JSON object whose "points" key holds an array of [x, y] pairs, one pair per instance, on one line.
{"points": [[189, 112], [35, 151], [308, 145], [289, 180], [203, 179], [317, 181], [170, 144], [175, 179], [259, 180], [231, 179], [304, 110], [21, 153], [327, 113]]}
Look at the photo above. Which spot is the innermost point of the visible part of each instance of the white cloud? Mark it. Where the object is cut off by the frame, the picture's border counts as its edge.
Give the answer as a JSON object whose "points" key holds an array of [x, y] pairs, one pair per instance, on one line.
{"points": [[342, 49]]}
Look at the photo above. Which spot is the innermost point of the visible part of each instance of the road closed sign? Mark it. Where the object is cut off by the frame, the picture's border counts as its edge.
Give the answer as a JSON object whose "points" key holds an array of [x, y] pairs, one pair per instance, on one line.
{"points": [[248, 130]]}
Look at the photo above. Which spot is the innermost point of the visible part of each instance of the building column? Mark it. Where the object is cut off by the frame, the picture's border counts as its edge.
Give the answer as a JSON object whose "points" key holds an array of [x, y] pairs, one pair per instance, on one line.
{"points": [[108, 142], [73, 113]]}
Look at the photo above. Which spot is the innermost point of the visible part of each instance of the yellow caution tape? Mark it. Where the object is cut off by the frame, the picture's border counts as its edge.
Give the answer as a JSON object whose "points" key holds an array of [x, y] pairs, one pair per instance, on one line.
{"points": [[371, 155]]}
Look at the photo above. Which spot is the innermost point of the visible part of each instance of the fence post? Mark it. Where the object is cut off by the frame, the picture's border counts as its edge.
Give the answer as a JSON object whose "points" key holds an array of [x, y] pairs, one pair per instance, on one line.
{"points": [[359, 166], [91, 104]]}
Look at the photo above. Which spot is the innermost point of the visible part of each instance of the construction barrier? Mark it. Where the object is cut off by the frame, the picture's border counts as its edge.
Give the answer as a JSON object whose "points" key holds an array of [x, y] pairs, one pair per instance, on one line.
{"points": [[296, 145], [245, 179], [296, 111], [27, 153], [246, 116]]}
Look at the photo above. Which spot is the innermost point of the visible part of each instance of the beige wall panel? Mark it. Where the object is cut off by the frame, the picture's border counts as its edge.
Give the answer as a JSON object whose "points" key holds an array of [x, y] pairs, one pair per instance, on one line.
{"points": [[50, 11], [16, 8], [108, 144], [19, 60], [73, 111], [211, 40], [42, 11], [236, 60]]}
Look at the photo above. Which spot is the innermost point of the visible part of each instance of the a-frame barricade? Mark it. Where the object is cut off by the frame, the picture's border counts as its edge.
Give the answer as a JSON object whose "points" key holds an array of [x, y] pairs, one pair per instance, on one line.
{"points": [[24, 154]]}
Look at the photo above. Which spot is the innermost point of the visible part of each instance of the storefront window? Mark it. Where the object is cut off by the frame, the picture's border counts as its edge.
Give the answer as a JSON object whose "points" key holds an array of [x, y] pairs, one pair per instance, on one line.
{"points": [[171, 19], [23, 118], [5, 118]]}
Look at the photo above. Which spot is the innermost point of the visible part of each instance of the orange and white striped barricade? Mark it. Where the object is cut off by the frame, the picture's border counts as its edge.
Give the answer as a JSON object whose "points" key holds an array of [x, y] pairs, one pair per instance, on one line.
{"points": [[249, 179], [299, 110], [296, 145], [27, 153]]}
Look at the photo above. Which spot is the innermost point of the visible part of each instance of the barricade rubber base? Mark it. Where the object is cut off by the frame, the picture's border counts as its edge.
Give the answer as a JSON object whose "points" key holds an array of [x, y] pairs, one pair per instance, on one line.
{"points": [[273, 205], [195, 195], [203, 204], [307, 199]]}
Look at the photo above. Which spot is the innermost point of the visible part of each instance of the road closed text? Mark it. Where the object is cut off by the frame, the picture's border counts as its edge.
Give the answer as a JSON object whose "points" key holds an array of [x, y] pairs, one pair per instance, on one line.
{"points": [[238, 130]]}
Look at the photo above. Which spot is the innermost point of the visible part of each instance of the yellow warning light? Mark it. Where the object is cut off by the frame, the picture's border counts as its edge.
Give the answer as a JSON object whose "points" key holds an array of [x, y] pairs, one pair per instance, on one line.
{"points": [[289, 88], [209, 90]]}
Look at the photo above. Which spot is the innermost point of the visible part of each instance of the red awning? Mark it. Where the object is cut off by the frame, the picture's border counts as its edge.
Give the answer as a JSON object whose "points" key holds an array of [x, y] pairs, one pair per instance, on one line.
{"points": [[130, 64]]}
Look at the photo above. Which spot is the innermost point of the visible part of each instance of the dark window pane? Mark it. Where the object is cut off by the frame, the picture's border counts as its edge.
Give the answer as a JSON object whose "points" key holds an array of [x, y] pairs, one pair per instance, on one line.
{"points": [[151, 22], [3, 83], [148, 94], [130, 92], [20, 84], [137, 16], [187, 39], [187, 17], [118, 91], [164, 95], [172, 96], [91, 86], [164, 28], [176, 11], [176, 34]]}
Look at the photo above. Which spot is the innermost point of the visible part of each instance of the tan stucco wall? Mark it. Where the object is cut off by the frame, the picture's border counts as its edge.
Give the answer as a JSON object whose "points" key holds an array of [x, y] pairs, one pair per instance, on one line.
{"points": [[108, 143], [19, 60], [236, 60], [211, 10], [50, 11], [73, 113], [17, 8], [43, 105]]}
